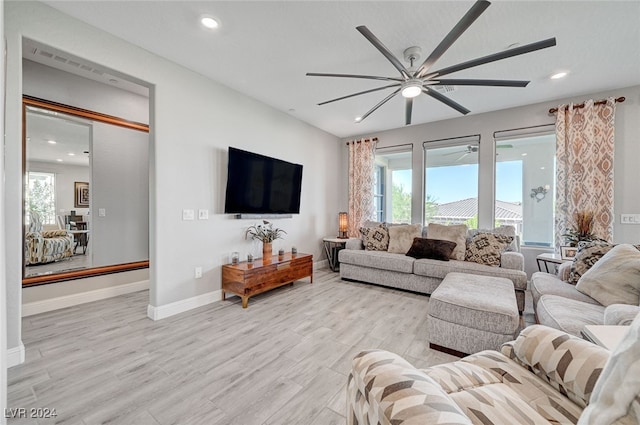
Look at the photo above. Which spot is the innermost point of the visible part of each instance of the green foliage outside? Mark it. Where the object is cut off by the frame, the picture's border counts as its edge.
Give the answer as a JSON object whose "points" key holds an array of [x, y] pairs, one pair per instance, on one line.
{"points": [[430, 208], [42, 200], [400, 204]]}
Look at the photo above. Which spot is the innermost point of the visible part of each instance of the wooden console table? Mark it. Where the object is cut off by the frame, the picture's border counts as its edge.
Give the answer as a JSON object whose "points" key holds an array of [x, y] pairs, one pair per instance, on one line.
{"points": [[247, 279]]}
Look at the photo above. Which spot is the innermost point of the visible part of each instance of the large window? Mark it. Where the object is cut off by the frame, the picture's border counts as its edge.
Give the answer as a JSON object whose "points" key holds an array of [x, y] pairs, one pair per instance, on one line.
{"points": [[451, 181], [41, 196], [525, 183], [392, 190]]}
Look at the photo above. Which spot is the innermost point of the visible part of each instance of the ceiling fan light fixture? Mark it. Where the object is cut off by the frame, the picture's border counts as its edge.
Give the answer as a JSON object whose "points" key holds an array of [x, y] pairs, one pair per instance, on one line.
{"points": [[411, 88], [209, 22], [558, 75]]}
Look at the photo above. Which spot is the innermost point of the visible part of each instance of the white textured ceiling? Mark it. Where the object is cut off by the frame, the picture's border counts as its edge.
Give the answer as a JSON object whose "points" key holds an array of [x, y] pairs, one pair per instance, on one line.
{"points": [[264, 49]]}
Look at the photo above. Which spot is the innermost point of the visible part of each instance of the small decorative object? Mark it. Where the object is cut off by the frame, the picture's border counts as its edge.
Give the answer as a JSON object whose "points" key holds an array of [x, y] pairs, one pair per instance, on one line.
{"points": [[249, 258], [342, 225], [235, 257], [294, 250], [81, 195], [266, 234], [583, 230], [568, 252], [281, 252], [539, 192]]}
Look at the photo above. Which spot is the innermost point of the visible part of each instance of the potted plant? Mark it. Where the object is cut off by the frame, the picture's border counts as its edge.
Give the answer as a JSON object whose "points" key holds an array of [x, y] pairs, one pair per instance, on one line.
{"points": [[583, 230], [266, 234]]}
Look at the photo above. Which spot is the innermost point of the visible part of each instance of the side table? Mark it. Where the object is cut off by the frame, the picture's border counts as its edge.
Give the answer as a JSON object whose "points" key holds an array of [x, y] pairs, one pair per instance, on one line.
{"points": [[331, 247], [606, 336], [549, 258]]}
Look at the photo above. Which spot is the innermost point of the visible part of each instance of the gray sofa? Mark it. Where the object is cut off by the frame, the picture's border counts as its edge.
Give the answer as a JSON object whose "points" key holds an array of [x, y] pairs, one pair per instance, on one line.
{"points": [[423, 275], [560, 305]]}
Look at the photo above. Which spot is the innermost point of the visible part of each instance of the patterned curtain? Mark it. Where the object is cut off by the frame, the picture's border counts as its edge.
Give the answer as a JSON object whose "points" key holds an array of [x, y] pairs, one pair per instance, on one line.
{"points": [[361, 170], [584, 154]]}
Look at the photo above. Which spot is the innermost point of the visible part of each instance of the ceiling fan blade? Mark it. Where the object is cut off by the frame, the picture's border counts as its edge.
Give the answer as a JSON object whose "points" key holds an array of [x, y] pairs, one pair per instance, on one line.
{"points": [[367, 77], [444, 99], [383, 49], [504, 146], [471, 82], [538, 45], [462, 25], [408, 110], [382, 102], [463, 155], [358, 94]]}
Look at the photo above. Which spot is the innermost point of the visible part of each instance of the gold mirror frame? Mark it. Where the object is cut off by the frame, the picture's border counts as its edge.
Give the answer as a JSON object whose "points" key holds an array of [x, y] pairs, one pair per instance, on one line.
{"points": [[95, 116]]}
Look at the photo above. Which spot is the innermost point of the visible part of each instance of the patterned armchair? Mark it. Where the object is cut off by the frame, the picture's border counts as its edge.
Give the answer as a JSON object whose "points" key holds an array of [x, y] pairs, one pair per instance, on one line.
{"points": [[545, 376], [45, 246]]}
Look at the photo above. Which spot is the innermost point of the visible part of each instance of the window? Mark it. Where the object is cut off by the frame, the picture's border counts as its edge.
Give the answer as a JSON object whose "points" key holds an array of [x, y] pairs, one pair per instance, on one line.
{"points": [[451, 181], [41, 196], [392, 191], [525, 183]]}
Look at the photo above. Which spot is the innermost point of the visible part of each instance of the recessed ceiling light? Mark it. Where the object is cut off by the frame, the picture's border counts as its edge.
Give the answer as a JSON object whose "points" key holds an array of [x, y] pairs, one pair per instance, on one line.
{"points": [[358, 119], [209, 22], [51, 142], [59, 160], [542, 168], [558, 75], [524, 154], [71, 154]]}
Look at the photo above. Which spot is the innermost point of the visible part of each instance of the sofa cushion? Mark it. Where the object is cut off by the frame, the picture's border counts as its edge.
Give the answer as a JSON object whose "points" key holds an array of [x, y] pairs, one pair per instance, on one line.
{"points": [[547, 284], [486, 248], [455, 233], [375, 238], [378, 260], [615, 278], [401, 237], [568, 315], [435, 249], [439, 269]]}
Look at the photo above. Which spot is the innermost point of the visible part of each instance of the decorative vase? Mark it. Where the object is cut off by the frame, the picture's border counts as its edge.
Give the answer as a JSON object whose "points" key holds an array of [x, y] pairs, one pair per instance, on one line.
{"points": [[267, 249]]}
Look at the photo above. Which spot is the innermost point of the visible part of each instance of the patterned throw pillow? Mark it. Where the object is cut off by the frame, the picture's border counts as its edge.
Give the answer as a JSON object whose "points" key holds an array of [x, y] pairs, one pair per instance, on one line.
{"points": [[486, 248], [375, 238], [435, 249], [588, 254]]}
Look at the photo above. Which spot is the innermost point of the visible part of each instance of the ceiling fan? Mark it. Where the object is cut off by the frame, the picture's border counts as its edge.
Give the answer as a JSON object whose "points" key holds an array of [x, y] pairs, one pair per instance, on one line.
{"points": [[473, 149], [412, 83]]}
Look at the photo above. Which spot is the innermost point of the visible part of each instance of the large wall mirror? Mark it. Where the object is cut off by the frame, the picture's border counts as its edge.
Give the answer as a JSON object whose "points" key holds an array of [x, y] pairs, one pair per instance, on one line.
{"points": [[86, 193]]}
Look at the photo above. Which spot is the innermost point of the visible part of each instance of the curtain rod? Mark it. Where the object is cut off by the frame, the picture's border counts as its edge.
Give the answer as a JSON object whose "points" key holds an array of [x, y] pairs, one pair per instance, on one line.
{"points": [[373, 139], [599, 102]]}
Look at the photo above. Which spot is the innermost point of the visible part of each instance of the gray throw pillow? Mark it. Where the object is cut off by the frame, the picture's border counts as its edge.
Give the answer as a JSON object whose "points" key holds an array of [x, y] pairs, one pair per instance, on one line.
{"points": [[401, 237], [588, 254], [615, 278]]}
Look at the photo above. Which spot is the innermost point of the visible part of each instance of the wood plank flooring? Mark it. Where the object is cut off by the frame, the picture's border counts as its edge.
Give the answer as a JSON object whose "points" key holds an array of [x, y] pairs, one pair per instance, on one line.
{"points": [[282, 361]]}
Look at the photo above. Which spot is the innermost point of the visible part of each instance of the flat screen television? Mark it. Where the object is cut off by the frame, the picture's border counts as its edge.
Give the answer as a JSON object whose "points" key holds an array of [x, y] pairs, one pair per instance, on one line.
{"points": [[258, 184]]}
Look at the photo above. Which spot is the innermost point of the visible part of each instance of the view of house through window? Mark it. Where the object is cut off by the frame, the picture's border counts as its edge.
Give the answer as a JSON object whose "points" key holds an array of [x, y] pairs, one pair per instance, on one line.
{"points": [[392, 190], [525, 186], [41, 196], [451, 181]]}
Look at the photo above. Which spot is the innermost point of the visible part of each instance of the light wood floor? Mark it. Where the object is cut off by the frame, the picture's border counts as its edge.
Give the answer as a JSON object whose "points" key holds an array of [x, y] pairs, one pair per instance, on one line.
{"points": [[284, 360]]}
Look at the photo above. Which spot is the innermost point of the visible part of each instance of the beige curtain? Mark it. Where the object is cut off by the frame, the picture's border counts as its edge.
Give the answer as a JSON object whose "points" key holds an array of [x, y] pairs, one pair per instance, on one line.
{"points": [[361, 169], [584, 155]]}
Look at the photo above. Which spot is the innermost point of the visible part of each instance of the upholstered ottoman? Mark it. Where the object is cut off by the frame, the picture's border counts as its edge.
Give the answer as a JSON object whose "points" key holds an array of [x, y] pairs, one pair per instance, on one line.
{"points": [[471, 313]]}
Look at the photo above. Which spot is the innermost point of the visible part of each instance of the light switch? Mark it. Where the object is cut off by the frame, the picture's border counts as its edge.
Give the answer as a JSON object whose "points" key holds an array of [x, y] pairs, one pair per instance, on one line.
{"points": [[203, 214], [102, 212], [630, 218], [188, 214]]}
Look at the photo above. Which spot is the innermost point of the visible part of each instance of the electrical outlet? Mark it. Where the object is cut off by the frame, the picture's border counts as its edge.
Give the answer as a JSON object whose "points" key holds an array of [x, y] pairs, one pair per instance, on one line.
{"points": [[203, 214], [187, 214], [102, 212], [630, 218], [198, 272]]}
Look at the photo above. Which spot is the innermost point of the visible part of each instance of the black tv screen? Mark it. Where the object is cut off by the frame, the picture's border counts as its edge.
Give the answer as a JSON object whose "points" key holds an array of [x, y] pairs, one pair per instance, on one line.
{"points": [[258, 184]]}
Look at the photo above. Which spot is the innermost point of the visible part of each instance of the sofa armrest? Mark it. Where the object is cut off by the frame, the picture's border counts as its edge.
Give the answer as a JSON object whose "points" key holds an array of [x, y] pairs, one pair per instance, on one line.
{"points": [[512, 260], [56, 233], [620, 314], [569, 364], [384, 389], [354, 243]]}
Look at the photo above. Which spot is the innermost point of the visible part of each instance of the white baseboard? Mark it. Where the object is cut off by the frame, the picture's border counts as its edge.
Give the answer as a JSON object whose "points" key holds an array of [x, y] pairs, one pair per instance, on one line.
{"points": [[15, 356], [171, 309], [323, 264], [57, 303]]}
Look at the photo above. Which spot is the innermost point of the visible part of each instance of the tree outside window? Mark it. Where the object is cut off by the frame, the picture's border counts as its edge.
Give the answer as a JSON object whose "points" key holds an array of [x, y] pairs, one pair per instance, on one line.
{"points": [[41, 196]]}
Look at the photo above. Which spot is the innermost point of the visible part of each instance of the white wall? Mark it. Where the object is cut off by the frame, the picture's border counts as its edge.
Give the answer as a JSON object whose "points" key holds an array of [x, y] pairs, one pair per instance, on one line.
{"points": [[66, 176], [3, 287], [627, 151], [193, 121]]}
